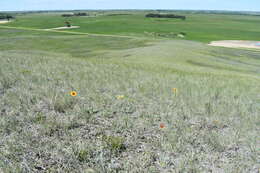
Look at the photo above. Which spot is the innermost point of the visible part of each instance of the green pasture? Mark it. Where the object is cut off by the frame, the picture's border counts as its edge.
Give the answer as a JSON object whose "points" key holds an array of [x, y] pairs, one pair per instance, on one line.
{"points": [[198, 27]]}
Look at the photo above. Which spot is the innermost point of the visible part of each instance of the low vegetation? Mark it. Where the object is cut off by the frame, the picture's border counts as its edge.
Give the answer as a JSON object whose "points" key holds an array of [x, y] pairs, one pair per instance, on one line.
{"points": [[153, 15], [6, 16], [75, 14], [166, 35]]}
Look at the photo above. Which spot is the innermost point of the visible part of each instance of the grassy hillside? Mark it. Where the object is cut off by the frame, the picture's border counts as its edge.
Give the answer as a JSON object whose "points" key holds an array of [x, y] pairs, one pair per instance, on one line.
{"points": [[125, 92], [199, 27]]}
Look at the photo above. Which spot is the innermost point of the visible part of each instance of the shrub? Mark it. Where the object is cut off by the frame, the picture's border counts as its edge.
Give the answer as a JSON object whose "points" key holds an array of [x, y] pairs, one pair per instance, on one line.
{"points": [[80, 14], [153, 15], [62, 105], [75, 14], [6, 16], [183, 33], [67, 15], [83, 155], [115, 143]]}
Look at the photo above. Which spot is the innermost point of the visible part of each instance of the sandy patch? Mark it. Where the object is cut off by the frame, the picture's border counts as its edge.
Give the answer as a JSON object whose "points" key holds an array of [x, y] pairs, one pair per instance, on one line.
{"points": [[236, 44], [4, 21], [59, 28]]}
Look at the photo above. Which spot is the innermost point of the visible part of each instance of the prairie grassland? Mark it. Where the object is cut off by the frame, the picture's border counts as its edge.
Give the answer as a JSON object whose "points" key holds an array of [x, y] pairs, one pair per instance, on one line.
{"points": [[125, 90]]}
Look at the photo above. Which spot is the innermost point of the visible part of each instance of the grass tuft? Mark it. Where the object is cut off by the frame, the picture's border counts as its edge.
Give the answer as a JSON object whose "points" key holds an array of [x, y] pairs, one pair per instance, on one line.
{"points": [[115, 143]]}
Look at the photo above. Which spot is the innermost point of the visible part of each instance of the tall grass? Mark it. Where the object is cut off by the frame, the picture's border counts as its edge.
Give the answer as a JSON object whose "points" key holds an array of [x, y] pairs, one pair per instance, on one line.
{"points": [[211, 123]]}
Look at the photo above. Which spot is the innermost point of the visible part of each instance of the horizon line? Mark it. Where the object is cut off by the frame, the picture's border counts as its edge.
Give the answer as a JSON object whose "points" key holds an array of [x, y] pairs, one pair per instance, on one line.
{"points": [[127, 9]]}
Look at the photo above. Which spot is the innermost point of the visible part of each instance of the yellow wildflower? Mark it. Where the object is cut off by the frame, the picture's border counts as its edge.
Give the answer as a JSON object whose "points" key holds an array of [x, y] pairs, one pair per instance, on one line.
{"points": [[73, 93], [119, 97]]}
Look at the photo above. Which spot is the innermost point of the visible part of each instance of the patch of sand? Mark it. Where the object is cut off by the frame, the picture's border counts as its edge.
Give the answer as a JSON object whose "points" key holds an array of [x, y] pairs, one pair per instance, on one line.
{"points": [[65, 27], [236, 44], [4, 21]]}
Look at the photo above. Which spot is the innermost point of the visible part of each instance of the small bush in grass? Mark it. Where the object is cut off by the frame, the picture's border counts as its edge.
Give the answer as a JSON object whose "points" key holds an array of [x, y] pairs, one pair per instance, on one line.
{"points": [[52, 128], [115, 143], [87, 114], [74, 125], [183, 33], [62, 105], [83, 155], [214, 141], [6, 82], [39, 118]]}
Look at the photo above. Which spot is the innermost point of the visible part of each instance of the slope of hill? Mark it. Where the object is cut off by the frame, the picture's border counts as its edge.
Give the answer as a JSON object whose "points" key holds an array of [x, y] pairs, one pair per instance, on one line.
{"points": [[142, 104]]}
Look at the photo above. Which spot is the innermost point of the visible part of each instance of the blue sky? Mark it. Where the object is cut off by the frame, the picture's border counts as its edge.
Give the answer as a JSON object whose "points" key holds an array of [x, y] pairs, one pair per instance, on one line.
{"points": [[235, 5]]}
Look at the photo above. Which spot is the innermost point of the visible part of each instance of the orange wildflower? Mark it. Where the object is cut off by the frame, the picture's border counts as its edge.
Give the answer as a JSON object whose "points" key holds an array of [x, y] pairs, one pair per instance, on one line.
{"points": [[162, 125]]}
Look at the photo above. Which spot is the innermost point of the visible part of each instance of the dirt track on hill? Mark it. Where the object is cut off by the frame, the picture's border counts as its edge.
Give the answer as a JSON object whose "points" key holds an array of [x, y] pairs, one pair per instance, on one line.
{"points": [[60, 28], [69, 32]]}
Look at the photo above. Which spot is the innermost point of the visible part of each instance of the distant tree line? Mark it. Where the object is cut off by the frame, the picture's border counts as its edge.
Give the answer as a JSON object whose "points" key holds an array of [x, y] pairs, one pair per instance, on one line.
{"points": [[153, 15], [80, 14], [6, 17], [75, 14], [243, 13]]}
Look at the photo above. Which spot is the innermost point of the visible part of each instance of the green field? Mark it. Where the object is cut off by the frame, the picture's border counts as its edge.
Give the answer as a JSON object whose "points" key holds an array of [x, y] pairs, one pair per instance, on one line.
{"points": [[125, 88], [199, 27]]}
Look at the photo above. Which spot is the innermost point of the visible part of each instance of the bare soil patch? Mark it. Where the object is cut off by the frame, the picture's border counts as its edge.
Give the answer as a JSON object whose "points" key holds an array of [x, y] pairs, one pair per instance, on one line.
{"points": [[4, 21], [65, 27], [236, 44]]}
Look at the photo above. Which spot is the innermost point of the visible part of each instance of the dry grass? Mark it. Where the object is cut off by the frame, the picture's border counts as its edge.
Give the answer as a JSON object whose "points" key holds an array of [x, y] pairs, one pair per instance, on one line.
{"points": [[211, 124]]}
